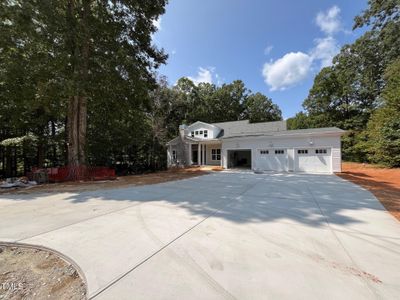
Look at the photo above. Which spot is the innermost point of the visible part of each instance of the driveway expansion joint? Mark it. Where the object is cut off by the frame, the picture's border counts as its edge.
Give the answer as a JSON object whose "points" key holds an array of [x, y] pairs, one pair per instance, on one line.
{"points": [[113, 282]]}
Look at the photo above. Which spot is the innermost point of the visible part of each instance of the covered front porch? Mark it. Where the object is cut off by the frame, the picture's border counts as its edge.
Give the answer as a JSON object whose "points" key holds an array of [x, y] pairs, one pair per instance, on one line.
{"points": [[205, 153]]}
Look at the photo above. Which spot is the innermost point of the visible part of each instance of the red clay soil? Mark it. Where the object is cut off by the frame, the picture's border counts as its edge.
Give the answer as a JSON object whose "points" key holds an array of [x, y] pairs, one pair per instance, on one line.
{"points": [[119, 182], [384, 183]]}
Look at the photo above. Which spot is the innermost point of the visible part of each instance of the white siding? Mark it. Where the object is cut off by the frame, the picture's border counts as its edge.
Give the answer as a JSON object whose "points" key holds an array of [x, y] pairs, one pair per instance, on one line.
{"points": [[336, 160], [290, 152]]}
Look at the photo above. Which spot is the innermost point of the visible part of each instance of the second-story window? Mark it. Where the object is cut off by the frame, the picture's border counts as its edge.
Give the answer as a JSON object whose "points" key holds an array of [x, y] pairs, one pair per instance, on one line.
{"points": [[205, 133], [192, 133]]}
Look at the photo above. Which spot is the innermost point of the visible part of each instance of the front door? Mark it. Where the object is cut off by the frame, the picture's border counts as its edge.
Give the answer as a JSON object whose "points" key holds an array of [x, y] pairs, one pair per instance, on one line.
{"points": [[195, 157]]}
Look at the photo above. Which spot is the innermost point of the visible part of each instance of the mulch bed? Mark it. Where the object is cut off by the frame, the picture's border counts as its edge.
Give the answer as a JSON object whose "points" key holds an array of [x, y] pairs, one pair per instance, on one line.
{"points": [[119, 182]]}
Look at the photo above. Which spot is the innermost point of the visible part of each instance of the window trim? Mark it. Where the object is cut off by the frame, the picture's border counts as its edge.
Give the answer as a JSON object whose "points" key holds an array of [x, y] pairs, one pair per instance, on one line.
{"points": [[321, 151], [216, 154], [302, 151]]}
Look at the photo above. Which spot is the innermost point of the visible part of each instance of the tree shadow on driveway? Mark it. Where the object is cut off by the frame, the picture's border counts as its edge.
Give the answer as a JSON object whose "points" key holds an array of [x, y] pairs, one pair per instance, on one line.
{"points": [[236, 197]]}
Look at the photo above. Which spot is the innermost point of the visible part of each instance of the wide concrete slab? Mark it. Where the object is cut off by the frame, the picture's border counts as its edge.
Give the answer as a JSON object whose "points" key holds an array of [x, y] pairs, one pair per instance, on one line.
{"points": [[220, 236]]}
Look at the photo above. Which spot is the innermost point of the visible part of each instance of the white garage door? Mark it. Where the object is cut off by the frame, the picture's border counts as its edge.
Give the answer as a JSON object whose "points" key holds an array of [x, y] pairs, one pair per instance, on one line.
{"points": [[313, 160], [272, 160]]}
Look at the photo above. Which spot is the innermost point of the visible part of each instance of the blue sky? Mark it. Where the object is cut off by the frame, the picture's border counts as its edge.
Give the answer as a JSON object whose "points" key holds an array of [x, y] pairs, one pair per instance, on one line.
{"points": [[275, 47]]}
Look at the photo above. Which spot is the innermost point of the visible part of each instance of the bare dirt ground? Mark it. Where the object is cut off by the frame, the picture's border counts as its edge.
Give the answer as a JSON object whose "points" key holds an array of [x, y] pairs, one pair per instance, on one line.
{"points": [[27, 273], [384, 183], [123, 181]]}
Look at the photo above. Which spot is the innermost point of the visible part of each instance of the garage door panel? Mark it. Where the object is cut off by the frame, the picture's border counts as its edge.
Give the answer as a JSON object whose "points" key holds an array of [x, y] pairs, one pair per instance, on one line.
{"points": [[313, 162], [268, 160]]}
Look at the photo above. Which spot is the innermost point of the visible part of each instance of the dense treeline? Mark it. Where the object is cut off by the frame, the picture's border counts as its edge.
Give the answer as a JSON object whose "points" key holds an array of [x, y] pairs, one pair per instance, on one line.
{"points": [[74, 74], [78, 86], [360, 92]]}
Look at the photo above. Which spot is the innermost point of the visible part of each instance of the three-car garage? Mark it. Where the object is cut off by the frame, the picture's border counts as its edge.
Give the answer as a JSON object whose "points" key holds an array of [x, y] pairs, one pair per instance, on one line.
{"points": [[289, 152], [309, 160]]}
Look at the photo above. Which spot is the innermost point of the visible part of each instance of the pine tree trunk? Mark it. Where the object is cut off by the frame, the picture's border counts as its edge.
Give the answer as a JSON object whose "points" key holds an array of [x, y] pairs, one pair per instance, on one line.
{"points": [[82, 127], [72, 127], [77, 108]]}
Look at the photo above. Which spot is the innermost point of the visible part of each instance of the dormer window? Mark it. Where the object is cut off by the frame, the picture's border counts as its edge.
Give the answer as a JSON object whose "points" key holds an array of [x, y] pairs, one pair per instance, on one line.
{"points": [[196, 132], [205, 133], [201, 132], [192, 133]]}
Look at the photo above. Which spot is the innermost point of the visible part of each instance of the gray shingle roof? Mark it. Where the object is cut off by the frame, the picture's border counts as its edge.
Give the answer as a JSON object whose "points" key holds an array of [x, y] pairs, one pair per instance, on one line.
{"points": [[245, 127], [309, 131]]}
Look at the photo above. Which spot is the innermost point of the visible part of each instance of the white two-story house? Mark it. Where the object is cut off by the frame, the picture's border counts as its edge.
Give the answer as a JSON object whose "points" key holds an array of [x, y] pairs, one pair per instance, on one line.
{"points": [[266, 146]]}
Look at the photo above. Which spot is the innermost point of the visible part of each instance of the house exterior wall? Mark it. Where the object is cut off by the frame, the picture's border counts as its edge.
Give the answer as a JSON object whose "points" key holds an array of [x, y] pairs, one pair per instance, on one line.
{"points": [[182, 154], [290, 143]]}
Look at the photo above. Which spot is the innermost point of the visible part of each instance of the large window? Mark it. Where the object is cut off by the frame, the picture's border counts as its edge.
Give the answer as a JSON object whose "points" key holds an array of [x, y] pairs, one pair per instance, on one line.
{"points": [[215, 154]]}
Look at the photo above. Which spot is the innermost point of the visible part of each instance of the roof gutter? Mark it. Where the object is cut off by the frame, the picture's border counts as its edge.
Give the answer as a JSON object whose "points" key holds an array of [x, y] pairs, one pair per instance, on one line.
{"points": [[327, 133]]}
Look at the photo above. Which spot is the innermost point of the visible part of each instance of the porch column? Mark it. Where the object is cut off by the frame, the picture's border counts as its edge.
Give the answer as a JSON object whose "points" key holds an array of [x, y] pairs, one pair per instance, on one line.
{"points": [[205, 154], [190, 154], [169, 155], [199, 155]]}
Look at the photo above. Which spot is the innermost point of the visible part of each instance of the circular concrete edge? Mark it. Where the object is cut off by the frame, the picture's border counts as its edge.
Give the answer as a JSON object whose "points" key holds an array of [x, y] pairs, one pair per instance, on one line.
{"points": [[64, 257]]}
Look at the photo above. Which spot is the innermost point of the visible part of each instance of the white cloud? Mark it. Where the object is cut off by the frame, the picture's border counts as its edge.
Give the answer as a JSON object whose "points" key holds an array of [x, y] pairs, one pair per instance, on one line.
{"points": [[157, 23], [324, 51], [203, 75], [329, 22], [293, 67], [287, 71], [268, 50]]}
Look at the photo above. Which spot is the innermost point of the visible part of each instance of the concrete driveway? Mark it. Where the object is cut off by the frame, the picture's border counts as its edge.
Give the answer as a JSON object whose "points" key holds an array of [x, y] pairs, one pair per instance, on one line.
{"points": [[219, 236]]}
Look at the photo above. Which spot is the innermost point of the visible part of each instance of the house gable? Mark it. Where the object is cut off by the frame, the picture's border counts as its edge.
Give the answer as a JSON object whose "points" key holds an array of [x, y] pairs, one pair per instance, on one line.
{"points": [[202, 130]]}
